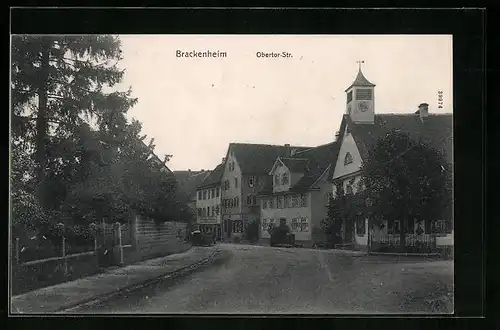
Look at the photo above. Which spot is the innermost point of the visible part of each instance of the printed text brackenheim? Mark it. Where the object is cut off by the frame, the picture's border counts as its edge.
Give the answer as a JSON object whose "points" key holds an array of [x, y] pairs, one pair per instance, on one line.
{"points": [[195, 53]]}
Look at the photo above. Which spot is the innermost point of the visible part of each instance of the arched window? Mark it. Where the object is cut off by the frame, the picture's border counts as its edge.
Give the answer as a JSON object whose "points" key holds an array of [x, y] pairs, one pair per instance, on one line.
{"points": [[347, 159]]}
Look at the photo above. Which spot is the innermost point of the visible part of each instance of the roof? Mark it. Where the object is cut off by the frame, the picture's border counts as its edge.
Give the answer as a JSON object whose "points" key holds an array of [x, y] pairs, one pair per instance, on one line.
{"points": [[295, 164], [436, 130], [188, 180], [258, 159], [213, 178], [319, 159], [361, 81]]}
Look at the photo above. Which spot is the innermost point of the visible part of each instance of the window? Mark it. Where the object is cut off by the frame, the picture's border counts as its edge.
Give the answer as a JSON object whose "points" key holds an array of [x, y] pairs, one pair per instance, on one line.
{"points": [[208, 211], [271, 222], [360, 226], [204, 194], [361, 186], [264, 225], [236, 182], [282, 221], [295, 201], [199, 212], [251, 200], [237, 226], [271, 203], [364, 94], [347, 159], [252, 181], [200, 195], [304, 225], [213, 193], [295, 224], [226, 185], [236, 201], [349, 97], [348, 189], [285, 179], [280, 202], [276, 179], [217, 192], [217, 210], [304, 200], [288, 201]]}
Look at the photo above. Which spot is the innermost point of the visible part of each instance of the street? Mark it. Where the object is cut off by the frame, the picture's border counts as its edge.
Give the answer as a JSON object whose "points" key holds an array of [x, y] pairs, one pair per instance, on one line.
{"points": [[260, 279]]}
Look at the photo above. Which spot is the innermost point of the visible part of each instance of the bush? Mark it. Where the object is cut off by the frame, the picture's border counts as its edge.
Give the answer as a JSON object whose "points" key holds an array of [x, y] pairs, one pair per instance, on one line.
{"points": [[282, 235]]}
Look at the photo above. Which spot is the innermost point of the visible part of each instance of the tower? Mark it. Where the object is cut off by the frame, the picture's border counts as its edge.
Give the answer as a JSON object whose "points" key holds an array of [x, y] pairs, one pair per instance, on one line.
{"points": [[360, 104]]}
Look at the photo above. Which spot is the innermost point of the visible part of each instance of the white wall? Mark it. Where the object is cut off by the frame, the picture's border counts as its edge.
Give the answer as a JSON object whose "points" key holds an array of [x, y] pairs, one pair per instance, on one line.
{"points": [[233, 191], [289, 214], [209, 202], [445, 240], [347, 145], [281, 169]]}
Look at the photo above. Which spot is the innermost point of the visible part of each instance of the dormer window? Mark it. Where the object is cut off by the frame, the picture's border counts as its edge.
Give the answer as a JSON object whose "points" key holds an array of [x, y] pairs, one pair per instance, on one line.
{"points": [[276, 179], [347, 159], [285, 179]]}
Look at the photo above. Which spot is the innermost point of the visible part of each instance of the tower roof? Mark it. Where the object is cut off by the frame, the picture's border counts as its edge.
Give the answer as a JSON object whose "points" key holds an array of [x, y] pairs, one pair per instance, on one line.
{"points": [[360, 81]]}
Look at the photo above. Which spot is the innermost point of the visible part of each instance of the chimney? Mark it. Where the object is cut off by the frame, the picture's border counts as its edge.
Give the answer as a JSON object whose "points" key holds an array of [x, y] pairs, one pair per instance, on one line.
{"points": [[223, 159], [337, 135], [293, 151], [288, 151], [423, 110]]}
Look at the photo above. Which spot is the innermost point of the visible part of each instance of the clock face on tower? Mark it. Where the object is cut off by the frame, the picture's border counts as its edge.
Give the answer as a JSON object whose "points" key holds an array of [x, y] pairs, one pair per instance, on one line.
{"points": [[362, 106]]}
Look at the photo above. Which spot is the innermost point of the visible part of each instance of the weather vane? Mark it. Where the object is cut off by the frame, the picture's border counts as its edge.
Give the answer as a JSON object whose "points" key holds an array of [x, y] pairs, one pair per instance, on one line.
{"points": [[360, 62]]}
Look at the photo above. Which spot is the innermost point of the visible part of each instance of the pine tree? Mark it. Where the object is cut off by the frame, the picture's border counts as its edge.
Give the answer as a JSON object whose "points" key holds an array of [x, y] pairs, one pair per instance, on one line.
{"points": [[56, 82]]}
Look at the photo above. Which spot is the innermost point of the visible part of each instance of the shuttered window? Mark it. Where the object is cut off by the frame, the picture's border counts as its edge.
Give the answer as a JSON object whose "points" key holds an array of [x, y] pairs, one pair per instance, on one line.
{"points": [[364, 94]]}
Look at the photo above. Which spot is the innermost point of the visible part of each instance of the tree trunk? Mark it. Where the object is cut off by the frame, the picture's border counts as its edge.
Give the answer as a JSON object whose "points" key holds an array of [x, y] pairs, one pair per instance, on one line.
{"points": [[41, 122]]}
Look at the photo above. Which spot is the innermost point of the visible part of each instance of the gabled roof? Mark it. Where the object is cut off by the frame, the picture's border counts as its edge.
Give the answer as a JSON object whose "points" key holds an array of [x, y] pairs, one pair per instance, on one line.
{"points": [[188, 180], [213, 178], [318, 159], [258, 159], [360, 81], [436, 130]]}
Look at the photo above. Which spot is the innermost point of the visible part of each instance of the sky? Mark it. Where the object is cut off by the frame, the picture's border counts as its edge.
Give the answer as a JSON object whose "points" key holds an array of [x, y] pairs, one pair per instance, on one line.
{"points": [[195, 107]]}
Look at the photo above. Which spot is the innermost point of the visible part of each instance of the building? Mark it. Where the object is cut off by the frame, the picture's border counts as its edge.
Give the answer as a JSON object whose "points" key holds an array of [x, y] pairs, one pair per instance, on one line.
{"points": [[187, 181], [360, 128], [208, 202], [298, 193], [245, 174]]}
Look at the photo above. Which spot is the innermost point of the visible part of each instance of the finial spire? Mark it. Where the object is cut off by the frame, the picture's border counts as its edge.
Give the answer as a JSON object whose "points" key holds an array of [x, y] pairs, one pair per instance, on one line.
{"points": [[359, 63]]}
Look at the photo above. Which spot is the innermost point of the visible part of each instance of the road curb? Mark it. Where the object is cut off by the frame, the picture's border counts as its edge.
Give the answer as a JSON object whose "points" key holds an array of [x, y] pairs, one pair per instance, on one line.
{"points": [[134, 287], [395, 254]]}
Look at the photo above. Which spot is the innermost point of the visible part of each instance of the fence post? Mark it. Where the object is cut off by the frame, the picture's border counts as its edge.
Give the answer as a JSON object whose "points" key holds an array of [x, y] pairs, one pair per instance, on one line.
{"points": [[64, 255], [17, 250], [120, 242]]}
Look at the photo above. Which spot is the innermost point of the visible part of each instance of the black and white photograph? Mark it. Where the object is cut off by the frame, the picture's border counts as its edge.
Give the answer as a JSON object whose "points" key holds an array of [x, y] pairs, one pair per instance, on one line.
{"points": [[228, 174]]}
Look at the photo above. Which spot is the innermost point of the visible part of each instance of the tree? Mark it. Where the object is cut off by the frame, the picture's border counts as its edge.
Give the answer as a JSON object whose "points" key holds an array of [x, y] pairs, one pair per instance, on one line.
{"points": [[55, 82], [75, 157], [408, 180], [343, 208]]}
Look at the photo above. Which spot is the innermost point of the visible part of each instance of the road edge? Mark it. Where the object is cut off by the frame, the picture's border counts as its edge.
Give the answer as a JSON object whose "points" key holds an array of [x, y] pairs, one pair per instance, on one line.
{"points": [[137, 286]]}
